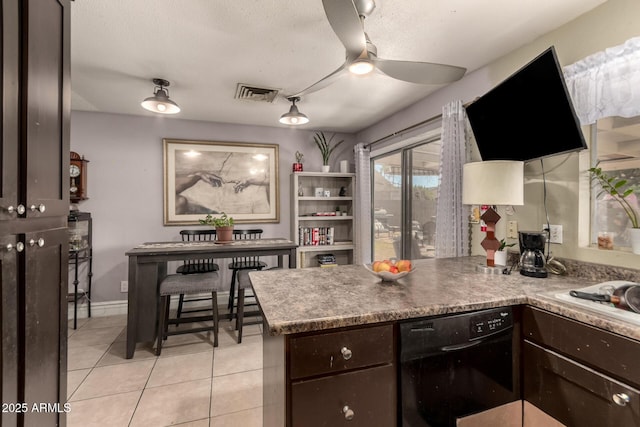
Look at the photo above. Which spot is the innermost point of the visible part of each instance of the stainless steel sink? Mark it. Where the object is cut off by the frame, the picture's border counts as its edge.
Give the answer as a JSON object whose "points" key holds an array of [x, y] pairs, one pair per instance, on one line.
{"points": [[599, 307]]}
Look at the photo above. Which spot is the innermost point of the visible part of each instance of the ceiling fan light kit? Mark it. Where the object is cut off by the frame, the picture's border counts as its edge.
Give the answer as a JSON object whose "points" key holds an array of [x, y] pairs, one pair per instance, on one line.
{"points": [[160, 102], [293, 117]]}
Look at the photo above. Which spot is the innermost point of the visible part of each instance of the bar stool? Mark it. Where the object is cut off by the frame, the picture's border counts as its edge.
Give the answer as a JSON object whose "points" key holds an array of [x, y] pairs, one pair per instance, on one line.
{"points": [[179, 284], [243, 283]]}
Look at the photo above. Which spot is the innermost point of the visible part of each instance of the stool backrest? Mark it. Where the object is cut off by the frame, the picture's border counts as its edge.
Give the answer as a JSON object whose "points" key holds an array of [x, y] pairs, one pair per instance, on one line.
{"points": [[198, 265], [250, 234]]}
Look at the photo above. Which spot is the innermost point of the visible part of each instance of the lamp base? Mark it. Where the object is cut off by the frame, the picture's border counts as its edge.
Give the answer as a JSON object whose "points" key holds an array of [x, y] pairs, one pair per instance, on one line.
{"points": [[489, 270]]}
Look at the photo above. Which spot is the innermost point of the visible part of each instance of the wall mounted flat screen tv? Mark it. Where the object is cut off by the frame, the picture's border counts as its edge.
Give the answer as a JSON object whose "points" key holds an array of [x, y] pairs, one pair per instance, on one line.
{"points": [[527, 116]]}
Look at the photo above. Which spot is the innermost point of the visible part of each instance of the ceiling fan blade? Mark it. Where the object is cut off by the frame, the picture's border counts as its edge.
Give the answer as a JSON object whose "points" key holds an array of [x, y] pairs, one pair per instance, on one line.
{"points": [[324, 82], [425, 73], [345, 21]]}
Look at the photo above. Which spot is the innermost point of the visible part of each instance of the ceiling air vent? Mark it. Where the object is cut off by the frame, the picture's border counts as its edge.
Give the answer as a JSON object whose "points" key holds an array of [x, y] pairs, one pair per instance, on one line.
{"points": [[252, 93]]}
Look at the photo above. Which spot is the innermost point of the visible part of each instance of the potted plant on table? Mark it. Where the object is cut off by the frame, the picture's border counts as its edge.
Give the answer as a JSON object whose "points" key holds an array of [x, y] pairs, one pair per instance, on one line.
{"points": [[325, 148], [500, 256], [620, 191], [222, 224]]}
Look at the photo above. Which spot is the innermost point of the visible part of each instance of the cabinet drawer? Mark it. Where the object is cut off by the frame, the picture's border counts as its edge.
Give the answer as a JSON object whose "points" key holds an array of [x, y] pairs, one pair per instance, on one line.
{"points": [[574, 394], [610, 353], [369, 393], [323, 353]]}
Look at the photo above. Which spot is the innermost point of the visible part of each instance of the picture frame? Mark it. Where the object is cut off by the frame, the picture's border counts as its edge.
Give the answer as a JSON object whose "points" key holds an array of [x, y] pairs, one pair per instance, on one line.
{"points": [[211, 177]]}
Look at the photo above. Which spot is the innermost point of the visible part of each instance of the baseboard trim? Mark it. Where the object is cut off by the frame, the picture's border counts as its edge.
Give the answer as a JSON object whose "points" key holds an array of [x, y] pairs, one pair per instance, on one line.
{"points": [[115, 308]]}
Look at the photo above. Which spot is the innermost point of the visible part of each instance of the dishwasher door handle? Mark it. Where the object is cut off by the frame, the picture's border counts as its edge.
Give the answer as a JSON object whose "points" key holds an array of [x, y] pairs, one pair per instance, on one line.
{"points": [[462, 346]]}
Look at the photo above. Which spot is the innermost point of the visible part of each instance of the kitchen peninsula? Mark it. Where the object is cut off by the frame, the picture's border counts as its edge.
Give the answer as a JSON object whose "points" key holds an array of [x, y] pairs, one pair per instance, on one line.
{"points": [[321, 309]]}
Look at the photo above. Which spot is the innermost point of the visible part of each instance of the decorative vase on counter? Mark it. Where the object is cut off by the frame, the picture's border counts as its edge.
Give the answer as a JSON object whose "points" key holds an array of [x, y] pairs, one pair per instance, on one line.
{"points": [[634, 236], [326, 168], [500, 258]]}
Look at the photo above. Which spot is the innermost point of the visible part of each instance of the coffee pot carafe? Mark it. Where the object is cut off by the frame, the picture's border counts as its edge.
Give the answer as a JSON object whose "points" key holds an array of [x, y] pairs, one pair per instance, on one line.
{"points": [[532, 259]]}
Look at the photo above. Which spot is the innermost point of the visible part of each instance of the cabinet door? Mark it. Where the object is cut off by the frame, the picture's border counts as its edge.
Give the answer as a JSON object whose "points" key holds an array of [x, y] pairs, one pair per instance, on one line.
{"points": [[576, 395], [45, 322], [365, 398], [46, 107], [9, 322], [9, 67]]}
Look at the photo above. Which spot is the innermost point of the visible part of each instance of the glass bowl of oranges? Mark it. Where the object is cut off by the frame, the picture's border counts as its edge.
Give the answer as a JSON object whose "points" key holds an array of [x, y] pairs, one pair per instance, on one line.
{"points": [[390, 270]]}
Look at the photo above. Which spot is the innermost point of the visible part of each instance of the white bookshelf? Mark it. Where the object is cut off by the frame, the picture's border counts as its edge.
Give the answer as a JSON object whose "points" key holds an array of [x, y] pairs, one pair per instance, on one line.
{"points": [[309, 212]]}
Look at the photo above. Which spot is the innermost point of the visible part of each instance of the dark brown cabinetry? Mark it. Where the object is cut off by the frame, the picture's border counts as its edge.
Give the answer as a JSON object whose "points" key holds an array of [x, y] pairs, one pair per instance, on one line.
{"points": [[343, 377], [34, 204], [578, 374]]}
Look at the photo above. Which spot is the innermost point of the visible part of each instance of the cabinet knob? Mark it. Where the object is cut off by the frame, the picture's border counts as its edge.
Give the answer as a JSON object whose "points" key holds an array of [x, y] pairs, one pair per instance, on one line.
{"points": [[19, 209], [19, 247], [346, 353], [39, 242], [40, 208], [348, 413], [621, 399]]}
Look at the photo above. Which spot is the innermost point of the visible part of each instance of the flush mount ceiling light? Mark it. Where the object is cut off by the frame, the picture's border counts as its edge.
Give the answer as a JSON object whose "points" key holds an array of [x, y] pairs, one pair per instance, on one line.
{"points": [[160, 102], [293, 117]]}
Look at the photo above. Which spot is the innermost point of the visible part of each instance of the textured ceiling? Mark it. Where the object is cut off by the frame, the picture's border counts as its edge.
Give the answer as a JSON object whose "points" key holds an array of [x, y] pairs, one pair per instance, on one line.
{"points": [[205, 47]]}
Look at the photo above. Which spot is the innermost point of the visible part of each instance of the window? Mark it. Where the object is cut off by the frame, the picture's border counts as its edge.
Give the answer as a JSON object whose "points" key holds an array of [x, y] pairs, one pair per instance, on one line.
{"points": [[616, 149], [405, 189]]}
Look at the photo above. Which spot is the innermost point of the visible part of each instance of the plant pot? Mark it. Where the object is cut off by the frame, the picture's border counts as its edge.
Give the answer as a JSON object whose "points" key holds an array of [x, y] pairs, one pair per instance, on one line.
{"points": [[326, 168], [297, 167], [224, 234], [500, 258], [634, 236]]}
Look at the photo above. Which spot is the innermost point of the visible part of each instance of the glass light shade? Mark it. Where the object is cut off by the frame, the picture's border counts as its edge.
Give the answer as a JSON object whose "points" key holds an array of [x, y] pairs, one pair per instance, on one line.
{"points": [[293, 117], [160, 103], [495, 182], [361, 67]]}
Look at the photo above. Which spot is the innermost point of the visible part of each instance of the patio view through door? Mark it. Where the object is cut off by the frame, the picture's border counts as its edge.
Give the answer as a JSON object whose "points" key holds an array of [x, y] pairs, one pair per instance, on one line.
{"points": [[405, 191]]}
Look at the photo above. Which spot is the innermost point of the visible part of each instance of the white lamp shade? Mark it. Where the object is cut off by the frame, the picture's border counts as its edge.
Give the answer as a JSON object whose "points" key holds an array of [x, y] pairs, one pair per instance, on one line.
{"points": [[495, 182]]}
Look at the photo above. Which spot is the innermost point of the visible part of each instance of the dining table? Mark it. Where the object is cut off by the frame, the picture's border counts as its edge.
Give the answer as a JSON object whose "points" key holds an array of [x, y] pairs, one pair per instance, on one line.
{"points": [[148, 267]]}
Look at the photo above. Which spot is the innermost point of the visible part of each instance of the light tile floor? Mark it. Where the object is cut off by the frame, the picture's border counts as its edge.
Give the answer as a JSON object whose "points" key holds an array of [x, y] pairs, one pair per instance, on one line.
{"points": [[189, 384]]}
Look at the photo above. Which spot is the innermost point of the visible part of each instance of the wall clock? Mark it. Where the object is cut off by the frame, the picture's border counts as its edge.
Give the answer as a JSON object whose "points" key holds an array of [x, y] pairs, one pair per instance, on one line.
{"points": [[77, 178]]}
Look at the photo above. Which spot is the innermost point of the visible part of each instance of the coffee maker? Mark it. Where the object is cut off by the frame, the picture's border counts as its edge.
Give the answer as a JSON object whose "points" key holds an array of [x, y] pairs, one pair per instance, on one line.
{"points": [[532, 258]]}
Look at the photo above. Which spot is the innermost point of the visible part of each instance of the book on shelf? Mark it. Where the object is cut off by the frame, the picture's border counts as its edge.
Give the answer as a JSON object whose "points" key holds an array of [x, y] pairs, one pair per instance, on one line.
{"points": [[315, 236], [327, 260]]}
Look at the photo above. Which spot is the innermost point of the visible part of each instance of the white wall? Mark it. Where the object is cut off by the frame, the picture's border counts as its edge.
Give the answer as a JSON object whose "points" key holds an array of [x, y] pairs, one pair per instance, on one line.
{"points": [[125, 180], [608, 25]]}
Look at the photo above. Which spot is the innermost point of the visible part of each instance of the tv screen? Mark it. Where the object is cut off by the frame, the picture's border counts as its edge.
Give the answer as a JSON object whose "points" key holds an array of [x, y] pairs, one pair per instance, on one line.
{"points": [[527, 116]]}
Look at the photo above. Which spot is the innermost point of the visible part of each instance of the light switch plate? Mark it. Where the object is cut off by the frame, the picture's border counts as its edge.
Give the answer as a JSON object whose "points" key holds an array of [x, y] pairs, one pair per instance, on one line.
{"points": [[512, 229]]}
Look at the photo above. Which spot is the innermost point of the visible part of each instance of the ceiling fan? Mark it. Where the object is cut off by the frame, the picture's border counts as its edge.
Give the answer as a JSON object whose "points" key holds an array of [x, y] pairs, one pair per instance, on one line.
{"points": [[347, 20]]}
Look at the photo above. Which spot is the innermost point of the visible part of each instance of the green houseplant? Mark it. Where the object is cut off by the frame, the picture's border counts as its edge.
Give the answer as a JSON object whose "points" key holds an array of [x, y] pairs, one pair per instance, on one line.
{"points": [[619, 190], [500, 256], [325, 148], [223, 225]]}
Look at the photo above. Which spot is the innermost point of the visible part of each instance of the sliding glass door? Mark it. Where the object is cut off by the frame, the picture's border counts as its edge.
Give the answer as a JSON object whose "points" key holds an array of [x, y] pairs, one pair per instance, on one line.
{"points": [[405, 190]]}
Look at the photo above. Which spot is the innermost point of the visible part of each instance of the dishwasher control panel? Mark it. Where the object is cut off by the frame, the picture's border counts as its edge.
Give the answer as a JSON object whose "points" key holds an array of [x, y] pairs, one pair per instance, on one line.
{"points": [[490, 322]]}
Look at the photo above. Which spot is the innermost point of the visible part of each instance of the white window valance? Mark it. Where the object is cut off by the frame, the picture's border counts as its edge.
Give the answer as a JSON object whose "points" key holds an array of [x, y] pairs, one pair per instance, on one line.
{"points": [[606, 83]]}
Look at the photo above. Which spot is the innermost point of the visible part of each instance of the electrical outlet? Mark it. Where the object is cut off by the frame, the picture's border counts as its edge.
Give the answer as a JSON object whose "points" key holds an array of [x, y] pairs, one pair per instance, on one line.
{"points": [[555, 235], [124, 286], [512, 229]]}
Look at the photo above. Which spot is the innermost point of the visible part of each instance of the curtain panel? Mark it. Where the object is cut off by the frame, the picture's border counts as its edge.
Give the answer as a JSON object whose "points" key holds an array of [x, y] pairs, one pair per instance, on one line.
{"points": [[452, 236], [362, 238], [606, 83]]}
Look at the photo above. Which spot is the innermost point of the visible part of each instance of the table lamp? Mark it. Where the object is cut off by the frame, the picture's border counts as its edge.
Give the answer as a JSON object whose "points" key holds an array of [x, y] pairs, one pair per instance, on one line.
{"points": [[495, 182]]}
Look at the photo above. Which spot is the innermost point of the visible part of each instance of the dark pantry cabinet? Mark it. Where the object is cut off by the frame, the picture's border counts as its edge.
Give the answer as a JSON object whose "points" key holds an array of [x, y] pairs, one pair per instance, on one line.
{"points": [[34, 203]]}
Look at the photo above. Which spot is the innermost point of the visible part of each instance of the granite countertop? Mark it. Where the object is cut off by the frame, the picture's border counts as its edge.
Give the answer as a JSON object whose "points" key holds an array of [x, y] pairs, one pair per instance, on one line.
{"points": [[315, 299]]}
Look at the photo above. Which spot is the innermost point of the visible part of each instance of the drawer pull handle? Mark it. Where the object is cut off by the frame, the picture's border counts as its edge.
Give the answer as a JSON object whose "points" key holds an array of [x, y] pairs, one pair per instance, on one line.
{"points": [[39, 242], [346, 353], [621, 399], [40, 208], [348, 413], [19, 209], [19, 247]]}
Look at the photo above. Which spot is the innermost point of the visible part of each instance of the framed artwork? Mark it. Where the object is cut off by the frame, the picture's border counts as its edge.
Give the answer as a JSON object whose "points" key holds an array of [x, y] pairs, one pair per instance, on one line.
{"points": [[209, 177]]}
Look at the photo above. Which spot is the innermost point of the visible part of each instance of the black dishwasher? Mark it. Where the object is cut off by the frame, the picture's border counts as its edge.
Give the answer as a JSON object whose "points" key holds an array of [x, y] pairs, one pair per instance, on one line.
{"points": [[455, 365]]}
